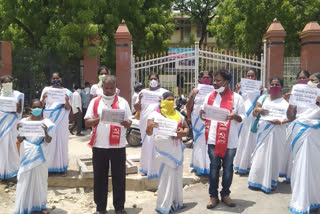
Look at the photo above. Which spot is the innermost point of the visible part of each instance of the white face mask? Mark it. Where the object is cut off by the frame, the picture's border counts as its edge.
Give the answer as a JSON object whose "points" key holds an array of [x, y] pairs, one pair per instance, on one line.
{"points": [[108, 100], [6, 89], [87, 90], [221, 89], [153, 83], [312, 84], [100, 79]]}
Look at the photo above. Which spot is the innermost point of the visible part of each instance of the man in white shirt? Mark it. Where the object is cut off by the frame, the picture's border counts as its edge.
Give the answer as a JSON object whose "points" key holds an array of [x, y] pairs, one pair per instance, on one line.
{"points": [[108, 143], [76, 106], [222, 137]]}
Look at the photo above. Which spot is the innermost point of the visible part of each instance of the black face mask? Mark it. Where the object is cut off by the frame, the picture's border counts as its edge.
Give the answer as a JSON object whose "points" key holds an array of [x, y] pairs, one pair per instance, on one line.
{"points": [[56, 83]]}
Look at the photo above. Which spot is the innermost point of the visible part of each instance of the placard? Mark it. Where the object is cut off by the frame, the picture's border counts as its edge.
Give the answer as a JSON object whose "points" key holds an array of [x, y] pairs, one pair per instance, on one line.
{"points": [[250, 86], [204, 90], [8, 104], [166, 127], [31, 128], [275, 113], [149, 97], [303, 95], [112, 116], [215, 113], [56, 95]]}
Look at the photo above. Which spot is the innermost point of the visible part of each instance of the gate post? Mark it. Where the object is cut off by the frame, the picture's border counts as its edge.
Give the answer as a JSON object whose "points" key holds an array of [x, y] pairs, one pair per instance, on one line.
{"points": [[310, 48], [5, 58], [196, 63], [122, 38], [91, 63], [274, 37]]}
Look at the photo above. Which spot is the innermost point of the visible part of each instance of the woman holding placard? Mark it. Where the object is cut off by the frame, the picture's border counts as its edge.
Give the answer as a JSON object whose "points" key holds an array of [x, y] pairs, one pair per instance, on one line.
{"points": [[13, 100], [271, 137], [200, 161], [169, 154], [145, 108], [31, 193], [305, 149], [57, 102], [247, 136]]}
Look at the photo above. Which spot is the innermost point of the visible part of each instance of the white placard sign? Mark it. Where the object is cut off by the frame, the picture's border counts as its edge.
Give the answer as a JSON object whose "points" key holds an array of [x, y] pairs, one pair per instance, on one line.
{"points": [[275, 113], [112, 116], [8, 104], [56, 95], [149, 97], [303, 95], [31, 128], [204, 90], [250, 86], [215, 113], [166, 127]]}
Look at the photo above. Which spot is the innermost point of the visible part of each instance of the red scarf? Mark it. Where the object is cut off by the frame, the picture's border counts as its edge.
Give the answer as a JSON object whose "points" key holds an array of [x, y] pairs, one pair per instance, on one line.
{"points": [[222, 131], [115, 131]]}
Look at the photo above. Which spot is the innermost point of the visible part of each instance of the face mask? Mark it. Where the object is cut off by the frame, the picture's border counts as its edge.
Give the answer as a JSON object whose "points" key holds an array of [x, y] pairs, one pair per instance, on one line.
{"points": [[221, 89], [36, 112], [312, 84], [305, 81], [153, 83], [87, 90], [100, 79], [205, 81], [167, 106], [56, 83], [275, 90], [108, 97], [6, 89]]}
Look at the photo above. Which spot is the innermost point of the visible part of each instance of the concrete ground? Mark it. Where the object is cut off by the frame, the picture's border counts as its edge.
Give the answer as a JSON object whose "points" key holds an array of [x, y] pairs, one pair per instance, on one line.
{"points": [[73, 194]]}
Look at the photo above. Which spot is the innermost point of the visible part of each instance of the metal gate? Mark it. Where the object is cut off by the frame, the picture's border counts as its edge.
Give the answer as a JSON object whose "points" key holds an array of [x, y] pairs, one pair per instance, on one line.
{"points": [[179, 68]]}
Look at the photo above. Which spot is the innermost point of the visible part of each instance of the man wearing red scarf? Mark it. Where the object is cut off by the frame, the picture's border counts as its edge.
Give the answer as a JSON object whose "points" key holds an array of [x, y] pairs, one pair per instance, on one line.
{"points": [[108, 142], [222, 138]]}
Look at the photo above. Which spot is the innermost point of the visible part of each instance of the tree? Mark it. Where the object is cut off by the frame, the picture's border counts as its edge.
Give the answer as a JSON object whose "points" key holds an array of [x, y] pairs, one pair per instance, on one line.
{"points": [[200, 11], [242, 24]]}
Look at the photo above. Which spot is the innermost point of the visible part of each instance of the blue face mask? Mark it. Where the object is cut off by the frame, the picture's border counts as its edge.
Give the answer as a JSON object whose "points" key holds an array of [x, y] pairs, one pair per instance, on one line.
{"points": [[56, 83], [36, 111]]}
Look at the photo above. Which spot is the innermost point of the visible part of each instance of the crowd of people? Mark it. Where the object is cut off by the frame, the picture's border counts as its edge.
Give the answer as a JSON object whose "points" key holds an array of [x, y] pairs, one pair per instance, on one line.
{"points": [[250, 140]]}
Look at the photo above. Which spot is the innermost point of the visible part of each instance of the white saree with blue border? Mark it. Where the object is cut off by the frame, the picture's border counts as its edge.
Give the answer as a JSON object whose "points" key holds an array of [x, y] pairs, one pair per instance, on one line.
{"points": [[58, 159], [9, 157], [31, 193]]}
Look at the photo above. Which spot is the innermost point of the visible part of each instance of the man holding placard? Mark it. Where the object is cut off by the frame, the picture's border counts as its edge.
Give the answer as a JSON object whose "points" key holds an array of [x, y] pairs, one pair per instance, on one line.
{"points": [[222, 137], [200, 161], [11, 106], [109, 142]]}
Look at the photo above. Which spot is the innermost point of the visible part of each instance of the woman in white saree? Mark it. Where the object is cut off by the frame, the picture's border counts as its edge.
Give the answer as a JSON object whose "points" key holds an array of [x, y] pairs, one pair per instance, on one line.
{"points": [[169, 155], [31, 193], [305, 147], [9, 157], [271, 137], [58, 113]]}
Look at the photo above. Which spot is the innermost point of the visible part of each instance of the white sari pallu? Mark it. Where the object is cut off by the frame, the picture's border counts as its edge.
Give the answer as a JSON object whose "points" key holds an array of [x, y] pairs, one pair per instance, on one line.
{"points": [[267, 156], [58, 159], [31, 193], [9, 157], [247, 140], [169, 157], [305, 178]]}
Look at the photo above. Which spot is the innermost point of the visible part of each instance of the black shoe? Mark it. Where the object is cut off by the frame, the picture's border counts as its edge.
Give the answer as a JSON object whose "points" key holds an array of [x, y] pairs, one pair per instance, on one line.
{"points": [[121, 212], [80, 134], [71, 132]]}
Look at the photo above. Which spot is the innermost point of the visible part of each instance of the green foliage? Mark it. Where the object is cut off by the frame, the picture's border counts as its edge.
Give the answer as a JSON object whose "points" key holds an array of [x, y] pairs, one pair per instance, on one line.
{"points": [[241, 24], [200, 11]]}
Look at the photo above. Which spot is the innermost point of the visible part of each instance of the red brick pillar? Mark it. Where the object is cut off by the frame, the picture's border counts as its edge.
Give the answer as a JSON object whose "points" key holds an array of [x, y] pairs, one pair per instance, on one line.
{"points": [[122, 38], [5, 58], [274, 37], [310, 48], [91, 63]]}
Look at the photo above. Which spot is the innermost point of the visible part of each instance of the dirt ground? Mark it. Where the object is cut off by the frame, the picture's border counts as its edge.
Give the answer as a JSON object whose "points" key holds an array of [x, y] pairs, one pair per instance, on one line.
{"points": [[73, 200]]}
